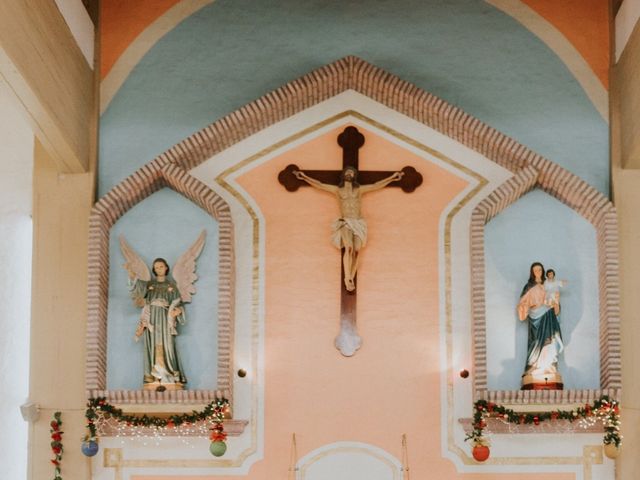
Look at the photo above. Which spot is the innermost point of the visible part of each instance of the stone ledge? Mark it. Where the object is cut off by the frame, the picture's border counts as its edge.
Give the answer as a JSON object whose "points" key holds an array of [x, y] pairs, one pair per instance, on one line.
{"points": [[497, 426], [109, 427], [150, 397], [547, 398]]}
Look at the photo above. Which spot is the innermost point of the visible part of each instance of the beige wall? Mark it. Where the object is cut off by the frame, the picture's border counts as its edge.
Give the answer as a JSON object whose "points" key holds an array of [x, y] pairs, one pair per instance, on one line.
{"points": [[625, 152], [44, 67], [54, 86], [16, 165], [625, 84], [61, 207]]}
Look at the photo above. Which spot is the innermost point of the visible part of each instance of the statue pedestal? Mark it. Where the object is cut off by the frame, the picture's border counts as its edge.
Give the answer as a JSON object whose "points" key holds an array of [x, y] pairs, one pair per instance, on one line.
{"points": [[542, 381], [161, 387]]}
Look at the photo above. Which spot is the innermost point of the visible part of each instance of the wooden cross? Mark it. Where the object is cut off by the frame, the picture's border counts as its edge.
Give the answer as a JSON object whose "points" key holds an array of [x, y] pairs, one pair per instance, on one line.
{"points": [[348, 340]]}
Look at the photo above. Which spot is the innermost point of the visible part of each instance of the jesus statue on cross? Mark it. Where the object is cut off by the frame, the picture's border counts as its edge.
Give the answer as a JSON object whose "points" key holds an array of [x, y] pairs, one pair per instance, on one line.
{"points": [[350, 230]]}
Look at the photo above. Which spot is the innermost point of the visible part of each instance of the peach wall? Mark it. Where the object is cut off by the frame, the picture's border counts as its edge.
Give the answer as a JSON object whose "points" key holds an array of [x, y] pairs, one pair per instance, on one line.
{"points": [[585, 23], [392, 385]]}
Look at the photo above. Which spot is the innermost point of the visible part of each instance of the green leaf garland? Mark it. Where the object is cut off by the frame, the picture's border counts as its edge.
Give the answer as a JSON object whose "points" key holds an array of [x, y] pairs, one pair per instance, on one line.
{"points": [[213, 411], [605, 409]]}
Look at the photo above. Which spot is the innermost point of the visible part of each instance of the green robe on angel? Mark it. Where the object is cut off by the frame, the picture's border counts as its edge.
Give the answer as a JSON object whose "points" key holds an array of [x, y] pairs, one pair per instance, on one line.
{"points": [[162, 302], [158, 330]]}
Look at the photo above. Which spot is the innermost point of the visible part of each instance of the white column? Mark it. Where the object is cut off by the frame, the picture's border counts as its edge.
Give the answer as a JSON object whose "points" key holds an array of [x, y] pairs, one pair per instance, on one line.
{"points": [[16, 172]]}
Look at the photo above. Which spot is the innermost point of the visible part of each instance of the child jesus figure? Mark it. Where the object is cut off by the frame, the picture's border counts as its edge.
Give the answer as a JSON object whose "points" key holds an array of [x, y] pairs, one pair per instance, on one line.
{"points": [[552, 288]]}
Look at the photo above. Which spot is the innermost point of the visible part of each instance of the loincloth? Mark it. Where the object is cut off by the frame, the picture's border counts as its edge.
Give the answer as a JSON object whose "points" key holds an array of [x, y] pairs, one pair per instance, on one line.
{"points": [[357, 226]]}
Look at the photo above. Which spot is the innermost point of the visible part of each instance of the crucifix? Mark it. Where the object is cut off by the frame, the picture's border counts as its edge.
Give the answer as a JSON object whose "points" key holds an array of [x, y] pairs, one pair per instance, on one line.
{"points": [[350, 230]]}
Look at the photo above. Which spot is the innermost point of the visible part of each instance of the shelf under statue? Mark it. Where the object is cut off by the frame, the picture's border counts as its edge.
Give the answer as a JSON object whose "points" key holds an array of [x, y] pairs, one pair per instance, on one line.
{"points": [[161, 300], [540, 305]]}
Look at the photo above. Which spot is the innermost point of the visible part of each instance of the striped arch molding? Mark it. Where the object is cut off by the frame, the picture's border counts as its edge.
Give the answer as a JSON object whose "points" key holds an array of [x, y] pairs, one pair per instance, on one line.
{"points": [[351, 73], [161, 172], [601, 214]]}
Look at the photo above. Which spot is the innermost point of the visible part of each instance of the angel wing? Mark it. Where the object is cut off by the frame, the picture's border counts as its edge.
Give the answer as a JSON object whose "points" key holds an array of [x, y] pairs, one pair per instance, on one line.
{"points": [[184, 270], [133, 263]]}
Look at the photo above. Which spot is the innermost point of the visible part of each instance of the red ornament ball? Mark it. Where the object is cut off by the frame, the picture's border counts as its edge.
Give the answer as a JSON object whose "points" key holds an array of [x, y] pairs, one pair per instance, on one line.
{"points": [[480, 453]]}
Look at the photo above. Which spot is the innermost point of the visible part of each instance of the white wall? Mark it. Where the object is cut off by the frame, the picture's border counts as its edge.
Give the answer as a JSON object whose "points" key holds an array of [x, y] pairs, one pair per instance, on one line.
{"points": [[16, 172]]}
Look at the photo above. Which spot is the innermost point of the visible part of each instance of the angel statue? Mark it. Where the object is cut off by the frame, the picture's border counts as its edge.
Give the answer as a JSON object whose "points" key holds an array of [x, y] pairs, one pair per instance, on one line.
{"points": [[161, 300]]}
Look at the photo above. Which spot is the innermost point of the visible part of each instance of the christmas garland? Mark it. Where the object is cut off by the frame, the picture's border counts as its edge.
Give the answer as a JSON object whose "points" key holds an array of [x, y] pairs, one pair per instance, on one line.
{"points": [[604, 409], [56, 444], [214, 411]]}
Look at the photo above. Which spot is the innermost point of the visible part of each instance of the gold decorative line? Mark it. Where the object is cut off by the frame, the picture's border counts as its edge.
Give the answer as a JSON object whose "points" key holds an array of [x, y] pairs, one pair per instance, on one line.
{"points": [[221, 180], [255, 306], [112, 458], [266, 151], [319, 456], [533, 461], [418, 145], [591, 455], [481, 183], [333, 119]]}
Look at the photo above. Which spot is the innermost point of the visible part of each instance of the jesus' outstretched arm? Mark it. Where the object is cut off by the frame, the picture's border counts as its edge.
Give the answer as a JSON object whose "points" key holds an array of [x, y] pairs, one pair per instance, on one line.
{"points": [[382, 183], [315, 183]]}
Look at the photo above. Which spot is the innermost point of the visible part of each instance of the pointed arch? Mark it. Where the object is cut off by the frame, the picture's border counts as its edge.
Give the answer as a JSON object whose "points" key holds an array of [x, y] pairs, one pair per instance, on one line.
{"points": [[158, 174], [596, 209]]}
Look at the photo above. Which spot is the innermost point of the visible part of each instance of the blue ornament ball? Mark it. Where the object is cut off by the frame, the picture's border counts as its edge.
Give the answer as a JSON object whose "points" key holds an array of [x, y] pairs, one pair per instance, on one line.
{"points": [[90, 448], [217, 449]]}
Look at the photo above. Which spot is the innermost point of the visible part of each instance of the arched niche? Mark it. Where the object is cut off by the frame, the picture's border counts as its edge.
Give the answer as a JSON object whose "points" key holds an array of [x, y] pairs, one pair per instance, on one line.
{"points": [[161, 174], [597, 223], [164, 225], [539, 227]]}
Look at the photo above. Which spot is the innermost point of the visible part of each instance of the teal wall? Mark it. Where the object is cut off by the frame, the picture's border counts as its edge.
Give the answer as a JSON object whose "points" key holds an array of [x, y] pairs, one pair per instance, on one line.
{"points": [[164, 225], [465, 51]]}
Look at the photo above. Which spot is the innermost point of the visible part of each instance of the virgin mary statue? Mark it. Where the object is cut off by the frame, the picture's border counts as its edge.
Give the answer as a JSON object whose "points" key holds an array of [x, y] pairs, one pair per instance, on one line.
{"points": [[545, 338]]}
